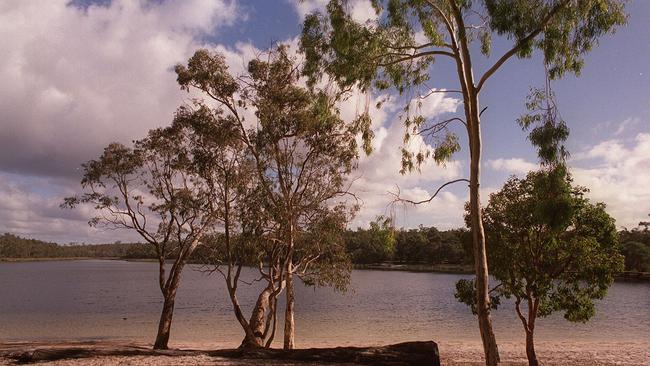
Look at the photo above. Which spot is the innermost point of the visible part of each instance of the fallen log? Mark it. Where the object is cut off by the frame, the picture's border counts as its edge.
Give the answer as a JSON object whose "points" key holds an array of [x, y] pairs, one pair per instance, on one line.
{"points": [[401, 354]]}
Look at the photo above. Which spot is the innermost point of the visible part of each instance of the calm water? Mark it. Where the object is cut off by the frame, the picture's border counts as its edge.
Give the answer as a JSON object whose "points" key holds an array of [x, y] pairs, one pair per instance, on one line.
{"points": [[81, 300]]}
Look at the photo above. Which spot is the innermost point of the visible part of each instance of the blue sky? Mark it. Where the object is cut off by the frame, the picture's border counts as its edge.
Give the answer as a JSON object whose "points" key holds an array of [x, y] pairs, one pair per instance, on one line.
{"points": [[80, 75]]}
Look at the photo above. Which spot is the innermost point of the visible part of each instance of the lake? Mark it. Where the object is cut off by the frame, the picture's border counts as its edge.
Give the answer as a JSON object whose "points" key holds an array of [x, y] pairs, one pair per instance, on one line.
{"points": [[120, 300]]}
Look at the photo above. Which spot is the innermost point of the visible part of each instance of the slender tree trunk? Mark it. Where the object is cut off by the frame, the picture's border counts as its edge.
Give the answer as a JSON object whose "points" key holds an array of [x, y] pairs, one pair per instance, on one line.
{"points": [[231, 284], [530, 349], [533, 305], [478, 234], [529, 324], [473, 122], [289, 321], [165, 324], [273, 316], [169, 295]]}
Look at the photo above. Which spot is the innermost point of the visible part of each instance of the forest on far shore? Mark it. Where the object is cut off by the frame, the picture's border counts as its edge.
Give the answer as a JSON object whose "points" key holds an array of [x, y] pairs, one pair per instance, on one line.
{"points": [[377, 244]]}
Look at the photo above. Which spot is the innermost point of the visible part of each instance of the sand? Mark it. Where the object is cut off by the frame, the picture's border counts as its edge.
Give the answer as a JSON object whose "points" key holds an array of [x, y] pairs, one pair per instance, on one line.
{"points": [[452, 353], [552, 353]]}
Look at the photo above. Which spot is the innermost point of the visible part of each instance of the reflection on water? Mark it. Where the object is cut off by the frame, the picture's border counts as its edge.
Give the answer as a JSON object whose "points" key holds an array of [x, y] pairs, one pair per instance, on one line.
{"points": [[79, 300]]}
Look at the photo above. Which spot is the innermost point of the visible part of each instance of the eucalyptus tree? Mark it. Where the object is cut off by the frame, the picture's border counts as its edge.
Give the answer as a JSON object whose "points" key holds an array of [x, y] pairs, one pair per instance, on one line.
{"points": [[551, 249], [246, 242], [303, 153], [221, 155], [239, 236], [397, 51], [162, 190]]}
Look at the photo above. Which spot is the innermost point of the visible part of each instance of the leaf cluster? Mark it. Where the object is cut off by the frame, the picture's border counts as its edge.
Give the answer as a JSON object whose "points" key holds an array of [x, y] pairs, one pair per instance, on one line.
{"points": [[551, 244]]}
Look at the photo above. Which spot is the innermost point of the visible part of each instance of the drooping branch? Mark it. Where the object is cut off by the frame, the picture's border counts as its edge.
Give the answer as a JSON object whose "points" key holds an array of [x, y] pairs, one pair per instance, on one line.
{"points": [[440, 126], [520, 44]]}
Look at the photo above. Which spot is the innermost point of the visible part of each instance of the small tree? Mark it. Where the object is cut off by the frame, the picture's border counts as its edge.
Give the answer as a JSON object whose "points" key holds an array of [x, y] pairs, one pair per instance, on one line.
{"points": [[552, 250], [161, 190], [399, 49]]}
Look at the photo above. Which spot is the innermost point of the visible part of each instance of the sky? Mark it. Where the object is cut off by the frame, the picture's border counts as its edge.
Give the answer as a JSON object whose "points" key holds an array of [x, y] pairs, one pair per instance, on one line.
{"points": [[78, 75]]}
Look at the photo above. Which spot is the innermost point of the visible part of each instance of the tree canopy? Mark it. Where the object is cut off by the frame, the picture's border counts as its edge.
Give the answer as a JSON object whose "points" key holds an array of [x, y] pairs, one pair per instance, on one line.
{"points": [[551, 248]]}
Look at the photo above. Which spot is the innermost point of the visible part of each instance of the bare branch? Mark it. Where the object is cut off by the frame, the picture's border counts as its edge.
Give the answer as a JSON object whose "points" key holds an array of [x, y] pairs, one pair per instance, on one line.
{"points": [[399, 199], [418, 55]]}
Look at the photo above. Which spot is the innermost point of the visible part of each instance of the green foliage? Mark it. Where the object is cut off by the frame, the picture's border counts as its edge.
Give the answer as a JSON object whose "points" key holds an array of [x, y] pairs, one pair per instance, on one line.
{"points": [[373, 245], [637, 256], [207, 71], [430, 246], [13, 246], [635, 246], [551, 245], [326, 236], [399, 49], [547, 130], [571, 29], [300, 153], [466, 293]]}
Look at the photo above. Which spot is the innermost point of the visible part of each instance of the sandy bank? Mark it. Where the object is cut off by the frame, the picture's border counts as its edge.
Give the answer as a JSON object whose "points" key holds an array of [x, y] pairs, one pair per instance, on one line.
{"points": [[571, 353]]}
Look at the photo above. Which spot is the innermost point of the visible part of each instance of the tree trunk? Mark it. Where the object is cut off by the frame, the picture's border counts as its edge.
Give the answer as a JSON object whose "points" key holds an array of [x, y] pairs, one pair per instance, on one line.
{"points": [[231, 284], [473, 124], [273, 317], [165, 324], [169, 295], [533, 305], [478, 234], [257, 323], [289, 322], [530, 349]]}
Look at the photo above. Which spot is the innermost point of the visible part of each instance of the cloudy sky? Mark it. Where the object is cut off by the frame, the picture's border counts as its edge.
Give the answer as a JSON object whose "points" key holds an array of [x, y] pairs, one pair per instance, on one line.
{"points": [[77, 75]]}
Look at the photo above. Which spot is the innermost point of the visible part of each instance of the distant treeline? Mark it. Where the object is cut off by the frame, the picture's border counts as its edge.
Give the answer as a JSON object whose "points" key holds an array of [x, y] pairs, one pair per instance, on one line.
{"points": [[13, 246], [425, 245]]}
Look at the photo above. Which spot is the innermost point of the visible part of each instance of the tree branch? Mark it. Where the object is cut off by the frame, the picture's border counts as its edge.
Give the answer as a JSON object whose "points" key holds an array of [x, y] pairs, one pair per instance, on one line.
{"points": [[398, 199], [521, 43]]}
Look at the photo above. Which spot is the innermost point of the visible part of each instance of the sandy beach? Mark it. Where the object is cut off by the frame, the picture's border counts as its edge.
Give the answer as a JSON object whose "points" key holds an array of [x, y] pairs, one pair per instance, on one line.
{"points": [[452, 353], [568, 353]]}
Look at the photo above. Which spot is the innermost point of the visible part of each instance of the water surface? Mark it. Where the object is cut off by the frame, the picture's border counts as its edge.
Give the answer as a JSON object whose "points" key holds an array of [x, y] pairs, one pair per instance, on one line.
{"points": [[95, 299]]}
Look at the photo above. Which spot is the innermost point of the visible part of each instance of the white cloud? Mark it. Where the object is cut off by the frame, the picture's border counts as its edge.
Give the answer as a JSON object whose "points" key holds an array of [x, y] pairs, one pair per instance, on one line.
{"points": [[306, 7], [620, 177], [617, 172], [512, 165], [434, 103], [27, 211], [626, 125], [76, 79], [360, 10], [378, 174]]}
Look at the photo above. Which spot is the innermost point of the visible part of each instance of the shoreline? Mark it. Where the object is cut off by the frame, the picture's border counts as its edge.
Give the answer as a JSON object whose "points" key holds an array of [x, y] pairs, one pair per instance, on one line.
{"points": [[454, 353], [57, 259], [627, 276]]}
